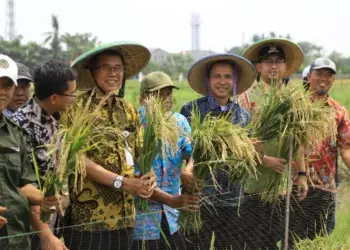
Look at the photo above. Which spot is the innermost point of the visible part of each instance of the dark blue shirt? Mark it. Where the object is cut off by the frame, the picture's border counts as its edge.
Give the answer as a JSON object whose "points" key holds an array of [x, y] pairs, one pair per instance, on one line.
{"points": [[230, 192]]}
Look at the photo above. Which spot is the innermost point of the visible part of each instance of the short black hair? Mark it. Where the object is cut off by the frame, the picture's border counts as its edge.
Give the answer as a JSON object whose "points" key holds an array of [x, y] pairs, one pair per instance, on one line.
{"points": [[210, 67], [52, 77]]}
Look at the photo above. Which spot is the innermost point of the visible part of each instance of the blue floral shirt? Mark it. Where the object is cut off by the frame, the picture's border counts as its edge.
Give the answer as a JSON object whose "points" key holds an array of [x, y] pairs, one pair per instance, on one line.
{"points": [[168, 172], [230, 192]]}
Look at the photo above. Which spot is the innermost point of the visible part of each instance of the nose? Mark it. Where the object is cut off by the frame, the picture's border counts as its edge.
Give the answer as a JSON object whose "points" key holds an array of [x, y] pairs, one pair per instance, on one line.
{"points": [[274, 65], [19, 92]]}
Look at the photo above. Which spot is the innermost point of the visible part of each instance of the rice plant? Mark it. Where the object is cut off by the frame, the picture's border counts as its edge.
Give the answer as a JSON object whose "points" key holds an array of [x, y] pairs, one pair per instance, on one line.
{"points": [[85, 130], [161, 135], [218, 144], [284, 112]]}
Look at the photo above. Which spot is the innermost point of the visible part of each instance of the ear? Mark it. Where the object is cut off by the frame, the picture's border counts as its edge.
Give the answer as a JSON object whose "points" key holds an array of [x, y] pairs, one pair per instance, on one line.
{"points": [[53, 98], [308, 76], [258, 67], [142, 97], [90, 74]]}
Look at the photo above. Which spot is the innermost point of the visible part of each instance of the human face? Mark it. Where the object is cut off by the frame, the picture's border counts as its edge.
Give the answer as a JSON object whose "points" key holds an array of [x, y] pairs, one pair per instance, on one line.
{"points": [[7, 87], [272, 68], [164, 94], [321, 80], [61, 102], [109, 72], [20, 95], [221, 81]]}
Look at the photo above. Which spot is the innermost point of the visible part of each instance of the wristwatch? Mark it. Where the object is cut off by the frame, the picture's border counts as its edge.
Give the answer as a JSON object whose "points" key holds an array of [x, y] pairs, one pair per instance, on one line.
{"points": [[301, 173], [118, 182]]}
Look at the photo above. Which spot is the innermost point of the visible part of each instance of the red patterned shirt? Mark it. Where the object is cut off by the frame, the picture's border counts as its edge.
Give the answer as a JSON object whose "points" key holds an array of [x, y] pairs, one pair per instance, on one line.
{"points": [[322, 161]]}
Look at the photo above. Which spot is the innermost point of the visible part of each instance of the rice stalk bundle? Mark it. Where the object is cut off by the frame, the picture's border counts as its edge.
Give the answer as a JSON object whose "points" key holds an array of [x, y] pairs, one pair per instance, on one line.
{"points": [[289, 112], [86, 130], [161, 135], [218, 144]]}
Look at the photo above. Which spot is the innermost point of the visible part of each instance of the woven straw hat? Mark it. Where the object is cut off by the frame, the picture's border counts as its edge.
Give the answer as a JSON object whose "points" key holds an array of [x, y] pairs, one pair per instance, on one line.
{"points": [[293, 54], [197, 76], [135, 56]]}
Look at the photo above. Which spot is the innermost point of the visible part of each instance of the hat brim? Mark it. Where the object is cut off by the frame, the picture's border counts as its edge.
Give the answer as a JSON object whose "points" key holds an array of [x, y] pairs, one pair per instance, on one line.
{"points": [[325, 67], [135, 56], [197, 76], [293, 54], [161, 87], [4, 74], [24, 78]]}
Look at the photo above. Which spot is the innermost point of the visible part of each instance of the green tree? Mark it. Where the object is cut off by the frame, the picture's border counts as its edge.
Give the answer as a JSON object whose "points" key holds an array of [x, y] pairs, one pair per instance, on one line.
{"points": [[177, 64], [151, 67], [77, 44], [238, 50], [53, 37], [30, 54]]}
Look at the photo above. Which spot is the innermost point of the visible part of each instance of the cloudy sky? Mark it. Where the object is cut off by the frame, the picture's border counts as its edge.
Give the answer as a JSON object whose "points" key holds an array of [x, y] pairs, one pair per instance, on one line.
{"points": [[166, 24]]}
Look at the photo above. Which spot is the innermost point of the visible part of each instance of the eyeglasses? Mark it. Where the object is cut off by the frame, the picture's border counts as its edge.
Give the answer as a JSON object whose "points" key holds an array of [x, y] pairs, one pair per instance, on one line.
{"points": [[109, 69], [271, 62], [74, 94]]}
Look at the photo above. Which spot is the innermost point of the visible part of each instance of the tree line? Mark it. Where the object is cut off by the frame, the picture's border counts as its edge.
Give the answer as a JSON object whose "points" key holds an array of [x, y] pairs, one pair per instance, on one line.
{"points": [[67, 47]]}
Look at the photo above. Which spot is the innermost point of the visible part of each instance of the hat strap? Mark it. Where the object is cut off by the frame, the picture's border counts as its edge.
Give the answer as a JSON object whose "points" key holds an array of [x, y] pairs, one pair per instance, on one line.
{"points": [[207, 82], [234, 85]]}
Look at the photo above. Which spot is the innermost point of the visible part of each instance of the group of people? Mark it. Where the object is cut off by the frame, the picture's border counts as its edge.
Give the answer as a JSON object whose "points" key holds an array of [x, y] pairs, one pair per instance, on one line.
{"points": [[103, 214]]}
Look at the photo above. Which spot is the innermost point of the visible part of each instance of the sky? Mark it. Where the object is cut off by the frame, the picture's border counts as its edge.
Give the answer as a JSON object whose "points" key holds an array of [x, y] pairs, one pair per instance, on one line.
{"points": [[166, 24]]}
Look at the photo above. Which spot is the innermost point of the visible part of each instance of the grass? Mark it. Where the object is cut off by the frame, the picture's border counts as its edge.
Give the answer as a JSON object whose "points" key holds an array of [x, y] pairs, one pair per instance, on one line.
{"points": [[340, 238]]}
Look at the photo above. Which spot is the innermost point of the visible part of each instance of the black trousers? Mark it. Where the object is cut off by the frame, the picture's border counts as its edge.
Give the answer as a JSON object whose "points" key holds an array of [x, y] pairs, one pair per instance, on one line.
{"points": [[251, 225], [312, 216], [176, 241], [98, 240]]}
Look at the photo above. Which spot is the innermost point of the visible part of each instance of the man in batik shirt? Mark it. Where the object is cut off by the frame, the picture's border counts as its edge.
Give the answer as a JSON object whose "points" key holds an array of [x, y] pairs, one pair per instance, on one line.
{"points": [[103, 212], [54, 91], [316, 215]]}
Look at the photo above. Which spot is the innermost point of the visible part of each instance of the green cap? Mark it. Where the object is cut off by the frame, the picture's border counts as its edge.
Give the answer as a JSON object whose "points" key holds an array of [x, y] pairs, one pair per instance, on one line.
{"points": [[155, 81]]}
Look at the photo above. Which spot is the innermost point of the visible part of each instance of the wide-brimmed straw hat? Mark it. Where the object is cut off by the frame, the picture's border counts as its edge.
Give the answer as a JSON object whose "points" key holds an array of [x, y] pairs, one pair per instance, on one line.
{"points": [[198, 75], [135, 56], [293, 54]]}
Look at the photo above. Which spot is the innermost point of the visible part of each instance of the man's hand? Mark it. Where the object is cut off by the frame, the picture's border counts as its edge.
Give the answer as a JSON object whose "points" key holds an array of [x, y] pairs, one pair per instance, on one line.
{"points": [[3, 220], [302, 187], [187, 179], [50, 204], [259, 147], [151, 177], [184, 202], [276, 164], [50, 242], [142, 187]]}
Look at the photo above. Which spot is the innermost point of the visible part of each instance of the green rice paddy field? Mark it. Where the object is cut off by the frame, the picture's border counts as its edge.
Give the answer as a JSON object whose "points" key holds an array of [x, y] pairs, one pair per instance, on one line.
{"points": [[340, 92]]}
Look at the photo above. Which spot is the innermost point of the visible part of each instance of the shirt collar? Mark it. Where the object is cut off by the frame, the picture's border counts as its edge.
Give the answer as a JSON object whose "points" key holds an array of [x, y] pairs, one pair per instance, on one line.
{"points": [[2, 120], [41, 113], [213, 105], [7, 112]]}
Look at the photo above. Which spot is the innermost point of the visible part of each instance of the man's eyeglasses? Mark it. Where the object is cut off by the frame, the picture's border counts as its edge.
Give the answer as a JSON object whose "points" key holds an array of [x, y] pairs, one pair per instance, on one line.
{"points": [[74, 94], [271, 62], [109, 69]]}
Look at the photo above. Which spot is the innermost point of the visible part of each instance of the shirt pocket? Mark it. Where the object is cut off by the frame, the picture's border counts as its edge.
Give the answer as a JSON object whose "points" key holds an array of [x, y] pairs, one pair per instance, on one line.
{"points": [[14, 169]]}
